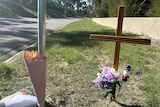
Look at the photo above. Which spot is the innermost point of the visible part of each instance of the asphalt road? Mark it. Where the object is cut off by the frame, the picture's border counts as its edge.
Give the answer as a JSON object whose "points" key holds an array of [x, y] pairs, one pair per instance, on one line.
{"points": [[17, 34]]}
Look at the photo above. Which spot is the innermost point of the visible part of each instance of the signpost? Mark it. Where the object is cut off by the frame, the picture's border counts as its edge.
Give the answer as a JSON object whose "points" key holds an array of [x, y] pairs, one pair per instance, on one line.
{"points": [[42, 26]]}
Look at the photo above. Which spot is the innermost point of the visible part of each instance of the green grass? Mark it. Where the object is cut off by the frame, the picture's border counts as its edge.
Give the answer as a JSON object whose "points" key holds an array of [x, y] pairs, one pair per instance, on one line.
{"points": [[73, 62], [6, 73]]}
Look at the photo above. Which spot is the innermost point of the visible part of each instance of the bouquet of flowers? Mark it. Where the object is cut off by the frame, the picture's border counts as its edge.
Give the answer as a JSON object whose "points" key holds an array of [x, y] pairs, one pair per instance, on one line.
{"points": [[109, 79]]}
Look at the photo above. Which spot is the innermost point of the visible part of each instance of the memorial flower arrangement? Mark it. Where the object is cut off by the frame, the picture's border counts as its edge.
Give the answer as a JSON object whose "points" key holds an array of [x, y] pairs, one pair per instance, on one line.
{"points": [[109, 78]]}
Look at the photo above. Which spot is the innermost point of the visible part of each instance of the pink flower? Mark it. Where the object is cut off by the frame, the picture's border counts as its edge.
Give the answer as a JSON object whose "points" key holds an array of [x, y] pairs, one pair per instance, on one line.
{"points": [[97, 81], [105, 70]]}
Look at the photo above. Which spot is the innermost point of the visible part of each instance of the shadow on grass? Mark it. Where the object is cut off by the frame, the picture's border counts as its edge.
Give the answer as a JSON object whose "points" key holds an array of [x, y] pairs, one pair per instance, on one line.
{"points": [[78, 38], [125, 105]]}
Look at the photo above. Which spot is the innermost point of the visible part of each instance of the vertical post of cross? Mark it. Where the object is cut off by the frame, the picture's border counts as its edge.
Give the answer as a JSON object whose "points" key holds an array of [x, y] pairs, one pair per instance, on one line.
{"points": [[42, 26], [118, 33]]}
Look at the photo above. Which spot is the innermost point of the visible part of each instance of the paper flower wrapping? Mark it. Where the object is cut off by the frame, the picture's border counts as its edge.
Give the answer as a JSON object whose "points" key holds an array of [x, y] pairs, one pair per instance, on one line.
{"points": [[36, 66]]}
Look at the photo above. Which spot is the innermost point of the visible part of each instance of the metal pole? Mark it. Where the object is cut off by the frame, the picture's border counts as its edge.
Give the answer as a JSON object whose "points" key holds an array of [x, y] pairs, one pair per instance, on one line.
{"points": [[42, 27]]}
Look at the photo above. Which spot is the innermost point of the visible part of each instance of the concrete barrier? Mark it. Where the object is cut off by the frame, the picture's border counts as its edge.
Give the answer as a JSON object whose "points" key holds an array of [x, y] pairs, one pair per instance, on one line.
{"points": [[146, 26]]}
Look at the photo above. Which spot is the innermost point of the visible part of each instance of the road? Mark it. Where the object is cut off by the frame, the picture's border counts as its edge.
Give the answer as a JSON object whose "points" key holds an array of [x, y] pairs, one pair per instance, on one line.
{"points": [[16, 34]]}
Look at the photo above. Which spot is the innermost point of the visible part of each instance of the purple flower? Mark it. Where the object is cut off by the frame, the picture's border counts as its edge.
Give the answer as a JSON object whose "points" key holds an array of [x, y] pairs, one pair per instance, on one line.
{"points": [[105, 85], [97, 81], [128, 67], [104, 79], [111, 75], [108, 75], [105, 70]]}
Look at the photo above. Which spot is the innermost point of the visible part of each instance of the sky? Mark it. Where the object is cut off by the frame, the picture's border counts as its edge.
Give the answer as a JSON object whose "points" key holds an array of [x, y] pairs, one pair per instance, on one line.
{"points": [[86, 1]]}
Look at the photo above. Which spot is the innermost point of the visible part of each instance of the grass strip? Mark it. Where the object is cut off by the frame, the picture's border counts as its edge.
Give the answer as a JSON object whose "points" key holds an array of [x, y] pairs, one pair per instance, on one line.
{"points": [[73, 62]]}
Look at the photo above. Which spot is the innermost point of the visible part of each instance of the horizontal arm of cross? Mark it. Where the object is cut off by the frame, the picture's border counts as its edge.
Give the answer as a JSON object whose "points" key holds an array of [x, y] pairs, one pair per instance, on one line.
{"points": [[120, 39]]}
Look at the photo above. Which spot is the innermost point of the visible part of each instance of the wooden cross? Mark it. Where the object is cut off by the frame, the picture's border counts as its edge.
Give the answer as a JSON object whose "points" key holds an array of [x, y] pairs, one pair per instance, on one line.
{"points": [[118, 38]]}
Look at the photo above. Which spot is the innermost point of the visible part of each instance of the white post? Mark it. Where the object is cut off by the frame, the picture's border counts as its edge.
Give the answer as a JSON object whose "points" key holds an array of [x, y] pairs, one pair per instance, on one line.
{"points": [[42, 27]]}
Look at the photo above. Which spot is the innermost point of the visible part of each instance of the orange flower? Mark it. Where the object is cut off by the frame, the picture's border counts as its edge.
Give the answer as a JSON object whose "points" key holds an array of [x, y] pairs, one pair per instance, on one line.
{"points": [[30, 55]]}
